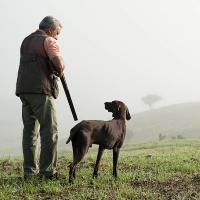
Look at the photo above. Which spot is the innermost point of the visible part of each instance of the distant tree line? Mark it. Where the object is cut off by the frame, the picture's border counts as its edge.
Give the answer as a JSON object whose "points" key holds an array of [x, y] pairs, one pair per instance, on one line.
{"points": [[178, 137]]}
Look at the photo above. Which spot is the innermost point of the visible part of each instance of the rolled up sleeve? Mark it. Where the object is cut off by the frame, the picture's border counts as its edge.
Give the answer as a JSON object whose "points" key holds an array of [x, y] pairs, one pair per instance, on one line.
{"points": [[51, 47]]}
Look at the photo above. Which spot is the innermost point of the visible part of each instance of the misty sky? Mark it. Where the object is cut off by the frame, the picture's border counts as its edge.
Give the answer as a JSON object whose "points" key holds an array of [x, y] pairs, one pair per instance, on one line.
{"points": [[113, 50]]}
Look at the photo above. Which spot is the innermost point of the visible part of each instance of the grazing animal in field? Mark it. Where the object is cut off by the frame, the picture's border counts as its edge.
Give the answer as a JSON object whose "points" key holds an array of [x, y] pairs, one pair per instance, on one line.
{"points": [[107, 134]]}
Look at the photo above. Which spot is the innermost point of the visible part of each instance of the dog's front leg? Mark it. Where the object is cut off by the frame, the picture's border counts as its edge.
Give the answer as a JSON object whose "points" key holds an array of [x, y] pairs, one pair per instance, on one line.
{"points": [[96, 168], [115, 159]]}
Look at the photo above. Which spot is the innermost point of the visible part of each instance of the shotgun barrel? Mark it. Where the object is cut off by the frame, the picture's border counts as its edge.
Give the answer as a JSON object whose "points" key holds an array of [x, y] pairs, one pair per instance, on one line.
{"points": [[64, 83]]}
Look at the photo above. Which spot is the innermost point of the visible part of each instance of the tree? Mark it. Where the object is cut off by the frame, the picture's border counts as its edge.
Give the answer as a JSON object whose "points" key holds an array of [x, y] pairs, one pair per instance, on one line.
{"points": [[180, 137], [161, 137], [151, 99]]}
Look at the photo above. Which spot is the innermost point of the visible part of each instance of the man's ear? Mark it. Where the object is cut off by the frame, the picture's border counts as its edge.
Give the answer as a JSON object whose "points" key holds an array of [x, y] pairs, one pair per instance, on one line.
{"points": [[50, 30]]}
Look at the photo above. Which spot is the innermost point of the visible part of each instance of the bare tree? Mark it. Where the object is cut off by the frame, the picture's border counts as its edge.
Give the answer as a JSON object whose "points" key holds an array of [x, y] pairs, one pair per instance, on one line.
{"points": [[151, 99]]}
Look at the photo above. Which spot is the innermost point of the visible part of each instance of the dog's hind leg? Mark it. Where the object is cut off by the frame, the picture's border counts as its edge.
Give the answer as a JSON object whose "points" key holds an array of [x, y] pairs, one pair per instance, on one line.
{"points": [[96, 168], [80, 147], [72, 172]]}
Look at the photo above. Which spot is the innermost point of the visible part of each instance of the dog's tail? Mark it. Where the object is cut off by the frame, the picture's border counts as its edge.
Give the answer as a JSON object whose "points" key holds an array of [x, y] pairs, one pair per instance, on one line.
{"points": [[69, 139], [72, 133]]}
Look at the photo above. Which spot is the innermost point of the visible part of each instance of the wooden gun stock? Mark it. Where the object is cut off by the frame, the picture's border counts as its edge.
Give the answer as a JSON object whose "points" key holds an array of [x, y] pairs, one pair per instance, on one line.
{"points": [[68, 97]]}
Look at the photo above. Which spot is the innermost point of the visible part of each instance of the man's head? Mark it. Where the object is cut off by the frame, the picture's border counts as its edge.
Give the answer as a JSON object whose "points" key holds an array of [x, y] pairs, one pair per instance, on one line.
{"points": [[51, 26]]}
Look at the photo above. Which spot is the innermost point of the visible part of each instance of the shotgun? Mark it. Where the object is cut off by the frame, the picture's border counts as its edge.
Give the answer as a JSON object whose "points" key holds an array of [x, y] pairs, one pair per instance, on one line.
{"points": [[64, 83]]}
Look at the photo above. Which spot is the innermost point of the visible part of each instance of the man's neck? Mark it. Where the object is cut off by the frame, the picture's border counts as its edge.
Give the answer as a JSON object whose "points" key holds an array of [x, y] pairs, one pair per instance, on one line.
{"points": [[41, 30]]}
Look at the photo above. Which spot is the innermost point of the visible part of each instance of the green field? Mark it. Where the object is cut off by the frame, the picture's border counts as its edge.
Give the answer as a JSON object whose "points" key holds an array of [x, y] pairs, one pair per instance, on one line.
{"points": [[153, 170]]}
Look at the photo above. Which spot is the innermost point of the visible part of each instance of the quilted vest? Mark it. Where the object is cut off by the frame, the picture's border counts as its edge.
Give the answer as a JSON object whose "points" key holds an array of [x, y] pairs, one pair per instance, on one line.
{"points": [[34, 70]]}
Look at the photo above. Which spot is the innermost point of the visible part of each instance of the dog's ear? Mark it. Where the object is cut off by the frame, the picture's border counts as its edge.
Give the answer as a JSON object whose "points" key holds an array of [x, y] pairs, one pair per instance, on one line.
{"points": [[128, 116]]}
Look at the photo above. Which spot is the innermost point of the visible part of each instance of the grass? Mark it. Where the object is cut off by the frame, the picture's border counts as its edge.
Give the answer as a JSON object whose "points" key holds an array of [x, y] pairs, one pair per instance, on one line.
{"points": [[154, 170]]}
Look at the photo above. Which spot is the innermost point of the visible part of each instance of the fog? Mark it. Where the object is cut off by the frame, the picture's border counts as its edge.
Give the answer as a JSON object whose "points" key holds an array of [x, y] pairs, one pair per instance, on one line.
{"points": [[113, 50]]}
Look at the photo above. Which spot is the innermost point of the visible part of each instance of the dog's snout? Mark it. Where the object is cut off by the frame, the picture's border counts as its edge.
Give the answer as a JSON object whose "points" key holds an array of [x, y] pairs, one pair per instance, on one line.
{"points": [[108, 106], [128, 117]]}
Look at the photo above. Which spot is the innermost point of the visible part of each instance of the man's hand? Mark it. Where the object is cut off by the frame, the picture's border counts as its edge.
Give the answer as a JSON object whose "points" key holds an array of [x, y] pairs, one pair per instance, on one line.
{"points": [[59, 65]]}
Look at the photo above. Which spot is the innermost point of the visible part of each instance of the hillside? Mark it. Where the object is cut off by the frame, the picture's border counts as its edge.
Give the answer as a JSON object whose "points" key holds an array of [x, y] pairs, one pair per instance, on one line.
{"points": [[181, 119]]}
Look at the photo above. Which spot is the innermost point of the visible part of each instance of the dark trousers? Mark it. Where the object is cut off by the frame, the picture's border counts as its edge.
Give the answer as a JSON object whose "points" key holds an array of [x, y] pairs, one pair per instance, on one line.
{"points": [[39, 118]]}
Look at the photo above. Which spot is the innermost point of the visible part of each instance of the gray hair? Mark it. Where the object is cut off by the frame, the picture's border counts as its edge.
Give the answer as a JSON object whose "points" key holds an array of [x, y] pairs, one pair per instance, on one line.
{"points": [[50, 21]]}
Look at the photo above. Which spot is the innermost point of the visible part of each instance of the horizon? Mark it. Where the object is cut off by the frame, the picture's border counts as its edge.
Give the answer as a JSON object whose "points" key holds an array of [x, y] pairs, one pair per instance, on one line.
{"points": [[113, 50]]}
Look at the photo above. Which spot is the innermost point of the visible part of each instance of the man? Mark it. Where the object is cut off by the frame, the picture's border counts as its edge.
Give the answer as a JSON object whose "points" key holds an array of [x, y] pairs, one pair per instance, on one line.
{"points": [[35, 87]]}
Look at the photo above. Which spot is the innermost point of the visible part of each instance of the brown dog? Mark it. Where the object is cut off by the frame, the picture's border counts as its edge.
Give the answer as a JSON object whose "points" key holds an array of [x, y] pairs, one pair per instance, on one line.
{"points": [[107, 134]]}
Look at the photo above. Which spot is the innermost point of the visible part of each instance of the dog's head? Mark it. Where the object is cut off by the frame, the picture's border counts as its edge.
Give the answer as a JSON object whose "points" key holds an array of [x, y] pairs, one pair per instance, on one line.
{"points": [[119, 109]]}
